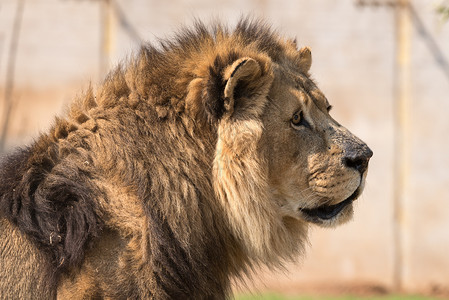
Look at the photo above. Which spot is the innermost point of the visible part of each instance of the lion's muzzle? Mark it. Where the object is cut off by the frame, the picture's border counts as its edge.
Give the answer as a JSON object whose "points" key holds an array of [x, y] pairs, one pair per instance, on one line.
{"points": [[356, 154]]}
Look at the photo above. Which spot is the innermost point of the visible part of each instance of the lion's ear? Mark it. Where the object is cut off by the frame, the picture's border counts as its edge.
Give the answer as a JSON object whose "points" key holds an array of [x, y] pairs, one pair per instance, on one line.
{"points": [[234, 87], [305, 59], [242, 72]]}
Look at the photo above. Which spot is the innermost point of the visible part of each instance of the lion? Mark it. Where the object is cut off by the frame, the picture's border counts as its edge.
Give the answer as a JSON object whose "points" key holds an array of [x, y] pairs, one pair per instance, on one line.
{"points": [[196, 161]]}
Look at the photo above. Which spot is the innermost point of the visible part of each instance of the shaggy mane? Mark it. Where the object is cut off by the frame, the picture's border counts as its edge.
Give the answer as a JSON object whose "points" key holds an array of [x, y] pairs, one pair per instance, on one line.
{"points": [[154, 146], [162, 73]]}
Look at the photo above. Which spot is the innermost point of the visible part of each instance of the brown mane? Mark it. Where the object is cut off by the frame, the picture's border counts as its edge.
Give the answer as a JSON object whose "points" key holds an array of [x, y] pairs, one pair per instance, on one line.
{"points": [[153, 166]]}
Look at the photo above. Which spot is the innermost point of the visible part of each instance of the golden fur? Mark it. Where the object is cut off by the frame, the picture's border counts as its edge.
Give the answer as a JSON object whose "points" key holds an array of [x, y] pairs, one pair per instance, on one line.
{"points": [[190, 165]]}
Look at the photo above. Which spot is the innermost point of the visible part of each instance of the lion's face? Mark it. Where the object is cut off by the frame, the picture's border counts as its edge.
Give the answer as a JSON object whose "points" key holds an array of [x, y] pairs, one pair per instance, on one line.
{"points": [[316, 167], [281, 161]]}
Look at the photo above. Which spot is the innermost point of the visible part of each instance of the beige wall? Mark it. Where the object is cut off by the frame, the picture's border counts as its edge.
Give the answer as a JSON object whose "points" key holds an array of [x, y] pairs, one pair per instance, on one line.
{"points": [[354, 63]]}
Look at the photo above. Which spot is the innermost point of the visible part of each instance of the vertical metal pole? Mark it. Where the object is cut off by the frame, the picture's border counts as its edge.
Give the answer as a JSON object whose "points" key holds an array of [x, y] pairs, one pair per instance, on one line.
{"points": [[10, 72], [402, 143], [107, 38]]}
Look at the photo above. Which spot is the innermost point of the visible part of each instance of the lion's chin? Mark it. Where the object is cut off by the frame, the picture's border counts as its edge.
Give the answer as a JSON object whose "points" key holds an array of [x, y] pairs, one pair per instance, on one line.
{"points": [[331, 215]]}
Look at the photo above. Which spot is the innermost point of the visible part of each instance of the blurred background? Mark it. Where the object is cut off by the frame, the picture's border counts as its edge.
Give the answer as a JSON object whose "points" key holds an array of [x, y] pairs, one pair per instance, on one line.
{"points": [[384, 66]]}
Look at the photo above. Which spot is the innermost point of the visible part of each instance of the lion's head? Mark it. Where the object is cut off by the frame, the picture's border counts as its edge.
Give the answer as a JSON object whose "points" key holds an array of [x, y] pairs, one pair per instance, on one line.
{"points": [[317, 168], [281, 161]]}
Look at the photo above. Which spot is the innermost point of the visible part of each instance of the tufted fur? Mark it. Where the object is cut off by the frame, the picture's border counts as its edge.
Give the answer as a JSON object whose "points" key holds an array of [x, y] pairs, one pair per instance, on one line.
{"points": [[177, 174]]}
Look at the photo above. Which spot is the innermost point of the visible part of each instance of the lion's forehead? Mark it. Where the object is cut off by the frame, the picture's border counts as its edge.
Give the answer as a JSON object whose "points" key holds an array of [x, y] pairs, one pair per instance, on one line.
{"points": [[303, 87], [309, 87]]}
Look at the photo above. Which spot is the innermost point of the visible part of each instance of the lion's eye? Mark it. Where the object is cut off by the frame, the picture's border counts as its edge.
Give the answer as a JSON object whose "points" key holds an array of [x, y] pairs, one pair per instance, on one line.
{"points": [[297, 117], [299, 120]]}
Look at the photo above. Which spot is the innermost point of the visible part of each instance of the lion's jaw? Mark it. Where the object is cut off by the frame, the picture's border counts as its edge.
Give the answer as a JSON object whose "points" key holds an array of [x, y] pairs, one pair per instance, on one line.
{"points": [[335, 206]]}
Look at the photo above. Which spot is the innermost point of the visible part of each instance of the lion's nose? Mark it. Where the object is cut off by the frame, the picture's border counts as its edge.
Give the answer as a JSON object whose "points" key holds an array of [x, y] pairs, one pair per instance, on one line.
{"points": [[358, 159]]}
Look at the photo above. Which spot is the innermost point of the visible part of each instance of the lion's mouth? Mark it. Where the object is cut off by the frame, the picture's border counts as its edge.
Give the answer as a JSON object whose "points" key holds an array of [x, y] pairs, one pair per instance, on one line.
{"points": [[327, 212]]}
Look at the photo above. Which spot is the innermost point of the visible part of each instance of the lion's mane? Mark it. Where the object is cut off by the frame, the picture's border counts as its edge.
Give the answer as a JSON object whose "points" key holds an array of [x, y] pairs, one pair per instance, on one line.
{"points": [[154, 159]]}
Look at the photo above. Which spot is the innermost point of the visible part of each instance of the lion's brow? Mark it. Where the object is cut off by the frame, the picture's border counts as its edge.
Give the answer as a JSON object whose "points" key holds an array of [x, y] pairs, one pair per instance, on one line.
{"points": [[304, 83]]}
